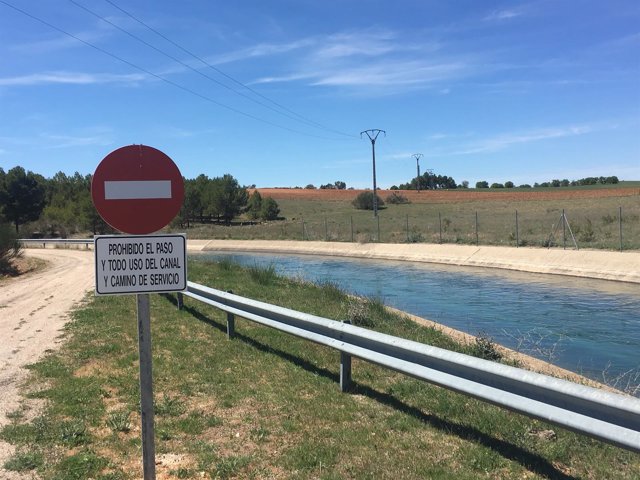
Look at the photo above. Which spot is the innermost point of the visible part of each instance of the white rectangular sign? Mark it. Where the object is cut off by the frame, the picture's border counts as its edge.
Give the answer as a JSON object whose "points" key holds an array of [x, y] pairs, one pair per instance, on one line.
{"points": [[128, 264]]}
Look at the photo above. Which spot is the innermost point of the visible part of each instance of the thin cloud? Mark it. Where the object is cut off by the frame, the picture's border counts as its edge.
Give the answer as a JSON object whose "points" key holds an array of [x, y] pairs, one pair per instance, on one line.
{"points": [[501, 142], [72, 78], [67, 141], [506, 14], [393, 73], [260, 50]]}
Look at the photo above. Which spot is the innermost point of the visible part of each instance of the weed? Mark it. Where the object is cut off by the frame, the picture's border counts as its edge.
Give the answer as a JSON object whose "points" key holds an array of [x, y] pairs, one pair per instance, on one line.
{"points": [[539, 343], [169, 407], [119, 421], [73, 433], [193, 424], [226, 264], [415, 236], [484, 347], [358, 312], [182, 473], [587, 234], [24, 461], [80, 466], [263, 275], [627, 382], [231, 466], [259, 434]]}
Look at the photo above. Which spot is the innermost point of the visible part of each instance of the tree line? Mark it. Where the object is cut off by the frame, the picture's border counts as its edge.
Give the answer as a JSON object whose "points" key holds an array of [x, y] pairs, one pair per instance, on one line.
{"points": [[554, 183], [62, 205], [432, 181]]}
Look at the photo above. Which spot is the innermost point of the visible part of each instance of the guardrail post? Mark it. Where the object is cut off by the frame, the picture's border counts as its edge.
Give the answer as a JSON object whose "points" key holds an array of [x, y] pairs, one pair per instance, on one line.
{"points": [[345, 372], [231, 325], [180, 300]]}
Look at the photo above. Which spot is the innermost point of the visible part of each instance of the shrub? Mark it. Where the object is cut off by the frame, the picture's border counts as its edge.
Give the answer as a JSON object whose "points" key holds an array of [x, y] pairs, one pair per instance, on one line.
{"points": [[364, 201], [485, 347], [10, 248], [397, 199]]}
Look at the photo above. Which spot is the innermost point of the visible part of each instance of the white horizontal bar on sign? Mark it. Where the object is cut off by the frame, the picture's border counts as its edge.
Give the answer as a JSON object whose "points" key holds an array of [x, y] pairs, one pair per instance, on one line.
{"points": [[137, 189]]}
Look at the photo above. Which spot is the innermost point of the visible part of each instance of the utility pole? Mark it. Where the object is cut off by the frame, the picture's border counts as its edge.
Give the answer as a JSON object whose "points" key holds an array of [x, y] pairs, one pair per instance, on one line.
{"points": [[373, 135], [417, 157]]}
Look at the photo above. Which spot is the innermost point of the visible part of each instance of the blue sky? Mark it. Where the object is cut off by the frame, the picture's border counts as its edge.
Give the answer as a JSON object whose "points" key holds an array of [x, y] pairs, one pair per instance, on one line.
{"points": [[485, 90]]}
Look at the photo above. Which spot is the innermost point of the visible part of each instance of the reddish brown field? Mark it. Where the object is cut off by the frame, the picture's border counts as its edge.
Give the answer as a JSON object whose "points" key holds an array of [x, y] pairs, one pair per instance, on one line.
{"points": [[453, 196]]}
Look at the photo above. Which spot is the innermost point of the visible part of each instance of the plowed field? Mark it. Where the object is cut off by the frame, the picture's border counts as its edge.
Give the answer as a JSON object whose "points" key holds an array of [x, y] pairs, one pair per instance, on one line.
{"points": [[454, 196]]}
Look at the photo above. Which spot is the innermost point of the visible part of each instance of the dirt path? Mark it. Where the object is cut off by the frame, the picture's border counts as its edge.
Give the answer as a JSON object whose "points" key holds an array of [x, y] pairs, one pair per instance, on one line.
{"points": [[33, 309]]}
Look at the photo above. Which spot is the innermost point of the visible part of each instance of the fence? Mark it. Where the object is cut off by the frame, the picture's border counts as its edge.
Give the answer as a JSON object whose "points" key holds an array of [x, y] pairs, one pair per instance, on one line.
{"points": [[618, 230], [606, 416]]}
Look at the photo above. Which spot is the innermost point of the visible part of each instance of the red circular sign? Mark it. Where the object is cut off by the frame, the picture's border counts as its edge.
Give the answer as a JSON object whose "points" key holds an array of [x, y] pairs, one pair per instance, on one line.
{"points": [[137, 189]]}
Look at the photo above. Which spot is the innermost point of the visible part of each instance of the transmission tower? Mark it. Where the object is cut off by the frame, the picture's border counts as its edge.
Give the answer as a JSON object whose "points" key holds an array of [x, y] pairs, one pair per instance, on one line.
{"points": [[373, 135], [417, 157]]}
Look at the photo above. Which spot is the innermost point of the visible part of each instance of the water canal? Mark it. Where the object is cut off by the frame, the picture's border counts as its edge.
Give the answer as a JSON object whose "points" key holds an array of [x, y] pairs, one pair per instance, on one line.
{"points": [[584, 325]]}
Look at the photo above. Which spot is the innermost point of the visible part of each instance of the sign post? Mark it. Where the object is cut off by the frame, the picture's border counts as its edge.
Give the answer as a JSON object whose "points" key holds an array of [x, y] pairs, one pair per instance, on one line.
{"points": [[138, 190]]}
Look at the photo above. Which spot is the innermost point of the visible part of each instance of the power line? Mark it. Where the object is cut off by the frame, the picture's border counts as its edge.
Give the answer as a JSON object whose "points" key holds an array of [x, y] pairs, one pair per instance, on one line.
{"points": [[159, 77], [297, 118], [237, 82], [204, 62]]}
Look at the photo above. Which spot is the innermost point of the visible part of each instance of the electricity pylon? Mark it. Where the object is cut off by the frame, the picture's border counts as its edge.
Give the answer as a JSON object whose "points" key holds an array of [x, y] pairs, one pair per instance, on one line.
{"points": [[417, 157], [373, 135]]}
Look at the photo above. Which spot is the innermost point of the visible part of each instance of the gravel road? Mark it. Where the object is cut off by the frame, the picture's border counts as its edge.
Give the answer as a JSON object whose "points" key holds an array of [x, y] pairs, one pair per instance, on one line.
{"points": [[33, 310]]}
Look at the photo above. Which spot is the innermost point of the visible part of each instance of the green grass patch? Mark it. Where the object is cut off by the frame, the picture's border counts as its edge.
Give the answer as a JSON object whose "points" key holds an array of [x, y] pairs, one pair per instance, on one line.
{"points": [[267, 405]]}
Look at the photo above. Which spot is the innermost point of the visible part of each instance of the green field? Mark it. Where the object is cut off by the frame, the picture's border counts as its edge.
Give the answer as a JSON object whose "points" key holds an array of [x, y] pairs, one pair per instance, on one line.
{"points": [[594, 222], [266, 405]]}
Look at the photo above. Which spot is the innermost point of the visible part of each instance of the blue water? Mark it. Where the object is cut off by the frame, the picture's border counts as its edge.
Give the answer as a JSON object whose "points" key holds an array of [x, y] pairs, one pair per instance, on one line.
{"points": [[587, 326]]}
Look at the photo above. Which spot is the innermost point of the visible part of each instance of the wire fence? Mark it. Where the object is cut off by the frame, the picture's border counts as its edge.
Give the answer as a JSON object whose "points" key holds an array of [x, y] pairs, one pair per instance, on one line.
{"points": [[617, 230]]}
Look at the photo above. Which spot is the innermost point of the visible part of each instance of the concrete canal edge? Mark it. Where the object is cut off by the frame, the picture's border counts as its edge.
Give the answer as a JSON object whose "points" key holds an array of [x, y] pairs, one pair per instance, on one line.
{"points": [[599, 264]]}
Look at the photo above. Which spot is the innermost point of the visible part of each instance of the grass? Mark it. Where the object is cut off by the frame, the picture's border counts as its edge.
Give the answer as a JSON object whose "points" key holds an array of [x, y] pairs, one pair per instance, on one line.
{"points": [[594, 222], [267, 405]]}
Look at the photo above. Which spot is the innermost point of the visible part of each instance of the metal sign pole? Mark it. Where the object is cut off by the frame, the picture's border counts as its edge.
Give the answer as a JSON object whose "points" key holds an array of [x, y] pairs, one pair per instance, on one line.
{"points": [[146, 388]]}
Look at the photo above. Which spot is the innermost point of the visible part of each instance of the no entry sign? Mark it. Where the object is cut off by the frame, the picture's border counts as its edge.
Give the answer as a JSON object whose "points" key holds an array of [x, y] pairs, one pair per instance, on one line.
{"points": [[137, 189]]}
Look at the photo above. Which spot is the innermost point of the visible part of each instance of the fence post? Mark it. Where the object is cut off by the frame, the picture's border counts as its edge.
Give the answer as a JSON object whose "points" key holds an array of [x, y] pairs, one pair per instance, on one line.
{"points": [[407, 228], [345, 372], [620, 225], [351, 228], [477, 243], [517, 232], [440, 223], [564, 231]]}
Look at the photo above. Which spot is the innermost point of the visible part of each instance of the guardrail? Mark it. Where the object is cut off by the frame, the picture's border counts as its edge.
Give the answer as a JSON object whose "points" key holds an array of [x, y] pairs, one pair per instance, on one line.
{"points": [[56, 241], [607, 416], [610, 417]]}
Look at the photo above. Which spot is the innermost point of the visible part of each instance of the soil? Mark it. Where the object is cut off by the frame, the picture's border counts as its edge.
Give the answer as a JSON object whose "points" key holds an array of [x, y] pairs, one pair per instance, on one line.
{"points": [[452, 196]]}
